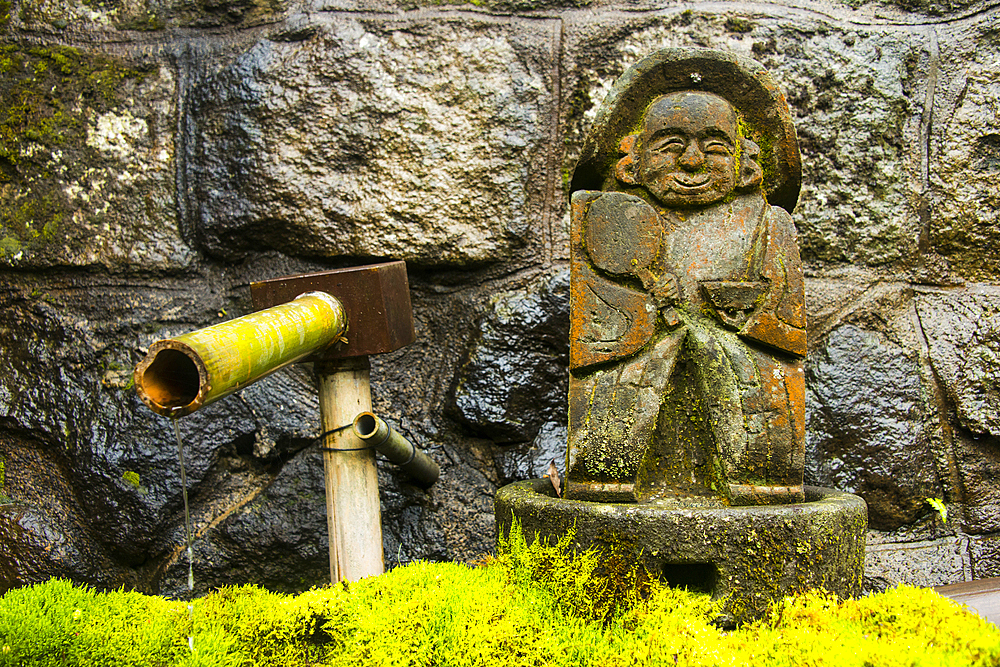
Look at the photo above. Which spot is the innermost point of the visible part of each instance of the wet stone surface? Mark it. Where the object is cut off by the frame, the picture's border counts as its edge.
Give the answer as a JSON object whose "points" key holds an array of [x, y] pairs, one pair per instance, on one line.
{"points": [[418, 140], [532, 460], [963, 331], [978, 462], [282, 529], [92, 475], [863, 437], [514, 381]]}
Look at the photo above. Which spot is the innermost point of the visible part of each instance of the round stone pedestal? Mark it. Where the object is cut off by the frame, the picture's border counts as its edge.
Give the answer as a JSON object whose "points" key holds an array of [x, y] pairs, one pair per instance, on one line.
{"points": [[749, 556]]}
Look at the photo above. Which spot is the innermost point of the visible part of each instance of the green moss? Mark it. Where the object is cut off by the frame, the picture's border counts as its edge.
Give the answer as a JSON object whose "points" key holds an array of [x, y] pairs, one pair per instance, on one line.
{"points": [[33, 218], [524, 607], [45, 101], [45, 86], [132, 478], [4, 498], [739, 24], [9, 245], [593, 584], [685, 18], [146, 21]]}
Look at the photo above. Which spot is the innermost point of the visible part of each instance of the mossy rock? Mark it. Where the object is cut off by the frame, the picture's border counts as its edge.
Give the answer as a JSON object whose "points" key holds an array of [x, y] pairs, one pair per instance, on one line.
{"points": [[748, 558], [48, 95]]}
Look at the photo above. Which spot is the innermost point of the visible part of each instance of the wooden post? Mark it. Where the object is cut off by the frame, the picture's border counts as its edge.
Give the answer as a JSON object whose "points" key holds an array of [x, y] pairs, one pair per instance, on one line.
{"points": [[376, 300], [353, 516]]}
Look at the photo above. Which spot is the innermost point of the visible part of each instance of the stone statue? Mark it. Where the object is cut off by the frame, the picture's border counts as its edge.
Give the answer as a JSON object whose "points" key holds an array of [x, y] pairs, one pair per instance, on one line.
{"points": [[687, 334], [687, 318]]}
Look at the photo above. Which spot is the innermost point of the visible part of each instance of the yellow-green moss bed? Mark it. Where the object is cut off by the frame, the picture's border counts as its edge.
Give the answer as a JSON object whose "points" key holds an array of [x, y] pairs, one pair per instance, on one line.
{"points": [[524, 607]]}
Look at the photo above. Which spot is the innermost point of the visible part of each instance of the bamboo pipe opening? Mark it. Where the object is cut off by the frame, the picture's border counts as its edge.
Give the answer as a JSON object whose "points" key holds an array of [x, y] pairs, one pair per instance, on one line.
{"points": [[171, 380], [365, 425], [180, 375], [400, 451]]}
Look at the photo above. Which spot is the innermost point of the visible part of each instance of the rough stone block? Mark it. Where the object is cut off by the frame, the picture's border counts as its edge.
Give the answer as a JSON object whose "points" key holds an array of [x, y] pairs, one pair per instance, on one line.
{"points": [[962, 329], [984, 553], [867, 430], [87, 148], [43, 533], [963, 337], [514, 380], [925, 563], [978, 462], [145, 15], [965, 156], [417, 139]]}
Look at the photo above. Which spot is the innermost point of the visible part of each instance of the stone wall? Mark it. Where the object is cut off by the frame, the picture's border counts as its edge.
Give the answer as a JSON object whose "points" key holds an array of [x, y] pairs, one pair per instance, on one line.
{"points": [[156, 156]]}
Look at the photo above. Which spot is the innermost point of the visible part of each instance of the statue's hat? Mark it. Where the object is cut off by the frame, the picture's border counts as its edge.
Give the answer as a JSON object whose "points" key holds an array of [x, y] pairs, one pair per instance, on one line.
{"points": [[742, 81]]}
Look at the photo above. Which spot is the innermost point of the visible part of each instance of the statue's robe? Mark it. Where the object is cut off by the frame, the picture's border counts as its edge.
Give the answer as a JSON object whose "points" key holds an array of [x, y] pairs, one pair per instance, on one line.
{"points": [[701, 395]]}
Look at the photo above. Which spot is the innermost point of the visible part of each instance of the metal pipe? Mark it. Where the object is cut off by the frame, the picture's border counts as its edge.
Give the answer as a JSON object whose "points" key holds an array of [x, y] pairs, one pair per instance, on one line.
{"points": [[400, 451], [180, 375]]}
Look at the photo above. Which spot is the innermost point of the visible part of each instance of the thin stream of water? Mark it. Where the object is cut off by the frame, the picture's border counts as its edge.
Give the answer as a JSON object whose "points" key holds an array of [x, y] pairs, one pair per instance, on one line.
{"points": [[187, 531]]}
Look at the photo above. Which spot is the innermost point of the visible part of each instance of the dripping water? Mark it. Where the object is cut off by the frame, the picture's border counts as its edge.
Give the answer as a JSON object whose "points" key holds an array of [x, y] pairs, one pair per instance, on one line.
{"points": [[187, 531]]}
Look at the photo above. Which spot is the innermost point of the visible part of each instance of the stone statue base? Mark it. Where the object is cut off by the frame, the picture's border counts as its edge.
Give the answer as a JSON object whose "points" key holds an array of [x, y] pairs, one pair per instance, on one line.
{"points": [[750, 556]]}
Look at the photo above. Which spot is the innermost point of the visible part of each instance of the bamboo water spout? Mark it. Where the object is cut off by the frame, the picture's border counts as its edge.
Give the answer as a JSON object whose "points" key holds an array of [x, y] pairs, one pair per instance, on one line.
{"points": [[184, 373], [306, 318]]}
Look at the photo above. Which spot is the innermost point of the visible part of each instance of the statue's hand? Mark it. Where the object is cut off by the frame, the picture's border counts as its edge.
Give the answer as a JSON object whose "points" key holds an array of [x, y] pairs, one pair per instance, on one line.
{"points": [[665, 290], [667, 295]]}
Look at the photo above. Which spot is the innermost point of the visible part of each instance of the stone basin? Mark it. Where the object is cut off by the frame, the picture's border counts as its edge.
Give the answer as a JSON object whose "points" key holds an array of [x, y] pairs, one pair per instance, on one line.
{"points": [[750, 556]]}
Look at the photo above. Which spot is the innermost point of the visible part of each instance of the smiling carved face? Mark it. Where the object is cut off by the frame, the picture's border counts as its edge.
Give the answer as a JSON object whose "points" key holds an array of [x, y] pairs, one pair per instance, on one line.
{"points": [[688, 149]]}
